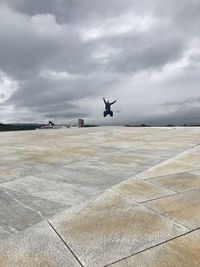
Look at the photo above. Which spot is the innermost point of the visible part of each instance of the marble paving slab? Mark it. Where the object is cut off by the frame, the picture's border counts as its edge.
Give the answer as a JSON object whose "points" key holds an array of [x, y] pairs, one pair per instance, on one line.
{"points": [[83, 176], [3, 233], [66, 194], [19, 211], [183, 208], [168, 168], [113, 227], [178, 182], [180, 252], [37, 246], [46, 170], [140, 190]]}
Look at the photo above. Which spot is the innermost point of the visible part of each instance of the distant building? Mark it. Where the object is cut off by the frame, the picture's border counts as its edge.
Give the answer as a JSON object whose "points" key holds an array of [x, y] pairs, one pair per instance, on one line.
{"points": [[80, 123]]}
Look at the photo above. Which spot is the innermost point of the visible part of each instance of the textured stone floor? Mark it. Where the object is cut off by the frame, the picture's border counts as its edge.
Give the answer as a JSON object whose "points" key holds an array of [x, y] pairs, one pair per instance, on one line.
{"points": [[107, 196]]}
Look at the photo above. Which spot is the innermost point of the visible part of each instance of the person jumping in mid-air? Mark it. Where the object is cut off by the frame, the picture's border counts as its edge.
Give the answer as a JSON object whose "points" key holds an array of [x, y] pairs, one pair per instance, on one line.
{"points": [[107, 107]]}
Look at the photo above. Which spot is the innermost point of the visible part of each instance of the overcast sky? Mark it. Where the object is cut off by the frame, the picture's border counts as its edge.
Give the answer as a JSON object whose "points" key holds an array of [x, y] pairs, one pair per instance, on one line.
{"points": [[59, 58]]}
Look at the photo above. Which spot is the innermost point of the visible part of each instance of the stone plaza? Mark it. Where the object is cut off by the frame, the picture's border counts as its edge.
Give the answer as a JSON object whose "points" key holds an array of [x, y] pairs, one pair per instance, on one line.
{"points": [[102, 196]]}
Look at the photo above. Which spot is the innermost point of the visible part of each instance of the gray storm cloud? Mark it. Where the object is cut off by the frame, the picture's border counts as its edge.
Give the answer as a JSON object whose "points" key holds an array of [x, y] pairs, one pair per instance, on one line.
{"points": [[59, 58]]}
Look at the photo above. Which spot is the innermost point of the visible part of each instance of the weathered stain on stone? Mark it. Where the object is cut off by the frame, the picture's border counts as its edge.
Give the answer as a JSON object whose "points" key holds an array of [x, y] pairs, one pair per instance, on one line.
{"points": [[192, 157], [116, 227], [110, 222], [183, 208], [178, 182], [58, 154], [25, 259], [180, 252], [140, 190], [8, 171], [113, 226], [37, 246], [167, 168]]}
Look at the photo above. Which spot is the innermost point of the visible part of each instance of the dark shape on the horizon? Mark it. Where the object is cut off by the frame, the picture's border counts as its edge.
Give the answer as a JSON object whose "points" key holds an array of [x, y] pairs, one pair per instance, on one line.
{"points": [[107, 107], [51, 123], [19, 126]]}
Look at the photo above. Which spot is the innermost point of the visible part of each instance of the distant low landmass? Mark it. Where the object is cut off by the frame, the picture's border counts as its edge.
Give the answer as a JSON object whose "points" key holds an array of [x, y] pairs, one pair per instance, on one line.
{"points": [[168, 125], [33, 126], [19, 126]]}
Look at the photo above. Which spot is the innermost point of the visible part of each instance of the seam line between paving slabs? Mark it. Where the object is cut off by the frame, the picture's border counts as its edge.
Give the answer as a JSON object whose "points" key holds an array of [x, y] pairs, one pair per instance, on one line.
{"points": [[30, 194], [189, 230], [139, 177], [157, 185], [169, 218], [197, 145], [175, 193], [138, 203], [175, 157], [159, 176], [65, 244], [171, 239], [172, 192]]}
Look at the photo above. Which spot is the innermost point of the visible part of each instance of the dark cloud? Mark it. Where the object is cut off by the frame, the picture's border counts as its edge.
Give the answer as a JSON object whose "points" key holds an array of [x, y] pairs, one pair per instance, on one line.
{"points": [[147, 52], [64, 55], [183, 115], [32, 7], [183, 14], [29, 45], [57, 95], [66, 115], [76, 11], [189, 101]]}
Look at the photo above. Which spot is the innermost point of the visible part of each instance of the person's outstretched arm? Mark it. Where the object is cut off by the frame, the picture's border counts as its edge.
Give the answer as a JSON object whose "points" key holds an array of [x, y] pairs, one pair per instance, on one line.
{"points": [[113, 102], [104, 100]]}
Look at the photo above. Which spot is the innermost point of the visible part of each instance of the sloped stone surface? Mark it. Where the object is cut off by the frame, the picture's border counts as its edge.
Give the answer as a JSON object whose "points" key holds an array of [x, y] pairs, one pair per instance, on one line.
{"points": [[178, 182], [183, 208], [112, 228], [180, 252], [140, 190], [37, 246]]}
